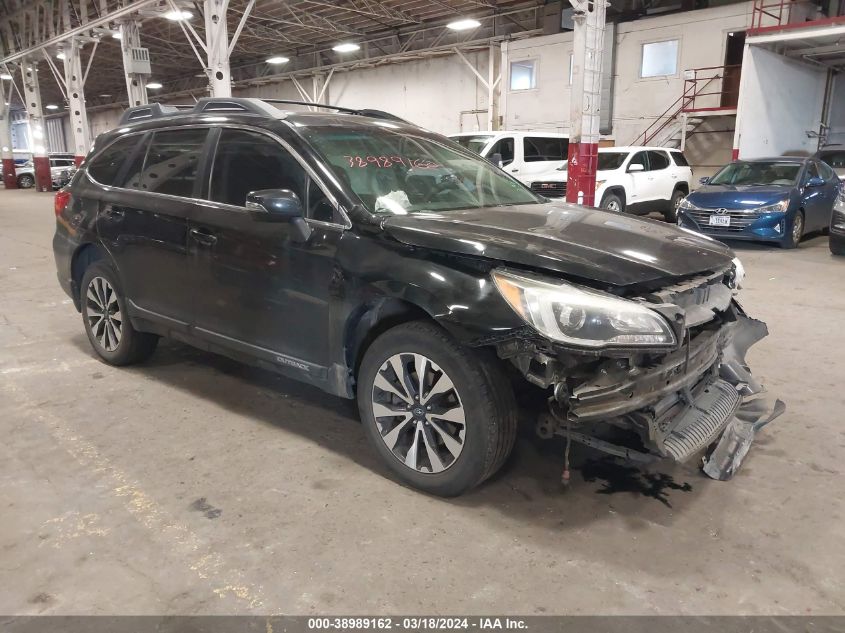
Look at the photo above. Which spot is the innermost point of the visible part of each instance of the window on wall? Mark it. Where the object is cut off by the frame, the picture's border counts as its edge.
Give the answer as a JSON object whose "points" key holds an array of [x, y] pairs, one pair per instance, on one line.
{"points": [[524, 75], [659, 59]]}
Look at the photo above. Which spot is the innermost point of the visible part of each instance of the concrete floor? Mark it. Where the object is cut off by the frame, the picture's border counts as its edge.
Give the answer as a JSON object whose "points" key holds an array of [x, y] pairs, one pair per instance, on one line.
{"points": [[195, 485]]}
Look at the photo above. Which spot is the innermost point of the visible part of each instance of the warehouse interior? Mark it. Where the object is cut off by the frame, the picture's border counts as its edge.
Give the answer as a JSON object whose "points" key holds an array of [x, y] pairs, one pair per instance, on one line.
{"points": [[191, 483]]}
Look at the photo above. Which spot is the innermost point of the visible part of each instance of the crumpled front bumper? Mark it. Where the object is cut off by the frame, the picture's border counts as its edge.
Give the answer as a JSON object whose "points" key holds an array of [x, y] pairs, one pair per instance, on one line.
{"points": [[698, 397]]}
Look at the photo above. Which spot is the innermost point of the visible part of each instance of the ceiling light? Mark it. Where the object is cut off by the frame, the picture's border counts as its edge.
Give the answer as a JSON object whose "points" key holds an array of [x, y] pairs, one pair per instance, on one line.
{"points": [[463, 25], [117, 35], [6, 76], [178, 16], [105, 96], [278, 60], [52, 106], [60, 56], [346, 47], [153, 85]]}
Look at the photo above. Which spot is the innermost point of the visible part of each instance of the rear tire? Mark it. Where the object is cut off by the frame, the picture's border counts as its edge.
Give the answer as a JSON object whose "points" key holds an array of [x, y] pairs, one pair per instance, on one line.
{"points": [[796, 232], [106, 320], [449, 434], [612, 202], [837, 247], [26, 181]]}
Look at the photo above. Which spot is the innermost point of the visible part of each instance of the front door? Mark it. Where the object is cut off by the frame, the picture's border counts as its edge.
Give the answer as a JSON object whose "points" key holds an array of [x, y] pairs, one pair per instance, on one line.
{"points": [[638, 180], [258, 289], [143, 221]]}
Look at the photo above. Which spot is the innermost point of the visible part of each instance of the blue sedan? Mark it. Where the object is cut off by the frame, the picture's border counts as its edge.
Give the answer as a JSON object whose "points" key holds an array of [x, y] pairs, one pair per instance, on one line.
{"points": [[767, 200]]}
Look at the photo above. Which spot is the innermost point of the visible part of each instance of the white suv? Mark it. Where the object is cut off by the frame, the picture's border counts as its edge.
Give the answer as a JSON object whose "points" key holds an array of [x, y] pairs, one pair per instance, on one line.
{"points": [[529, 156], [636, 180]]}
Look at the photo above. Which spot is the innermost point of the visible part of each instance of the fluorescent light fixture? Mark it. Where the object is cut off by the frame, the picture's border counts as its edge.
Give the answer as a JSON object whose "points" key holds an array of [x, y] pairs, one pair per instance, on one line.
{"points": [[178, 16], [6, 76], [60, 56], [154, 85], [346, 47], [117, 35], [463, 25], [105, 96], [280, 59], [52, 106]]}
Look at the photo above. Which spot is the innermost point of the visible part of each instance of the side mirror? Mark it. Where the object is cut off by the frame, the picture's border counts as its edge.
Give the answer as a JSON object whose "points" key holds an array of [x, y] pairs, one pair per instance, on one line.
{"points": [[704, 180], [816, 181], [635, 168], [279, 205], [496, 159]]}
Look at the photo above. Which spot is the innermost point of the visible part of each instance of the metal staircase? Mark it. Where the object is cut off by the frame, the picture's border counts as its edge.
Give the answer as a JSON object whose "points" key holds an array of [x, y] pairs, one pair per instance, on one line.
{"points": [[705, 92]]}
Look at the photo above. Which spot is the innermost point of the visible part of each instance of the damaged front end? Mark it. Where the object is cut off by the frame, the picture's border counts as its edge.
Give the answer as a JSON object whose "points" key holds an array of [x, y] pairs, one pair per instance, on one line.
{"points": [[699, 395]]}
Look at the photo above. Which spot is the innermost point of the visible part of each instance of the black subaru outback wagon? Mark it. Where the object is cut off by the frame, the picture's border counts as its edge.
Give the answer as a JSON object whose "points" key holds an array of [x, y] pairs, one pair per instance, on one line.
{"points": [[378, 261]]}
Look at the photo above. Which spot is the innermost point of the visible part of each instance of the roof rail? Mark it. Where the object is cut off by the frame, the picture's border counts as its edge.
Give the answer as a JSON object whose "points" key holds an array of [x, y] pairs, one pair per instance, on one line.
{"points": [[237, 104], [148, 111]]}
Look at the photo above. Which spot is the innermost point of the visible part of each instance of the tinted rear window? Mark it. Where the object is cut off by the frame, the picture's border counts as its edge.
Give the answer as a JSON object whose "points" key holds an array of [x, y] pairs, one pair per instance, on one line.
{"points": [[538, 148], [658, 160], [680, 159], [171, 163], [106, 166]]}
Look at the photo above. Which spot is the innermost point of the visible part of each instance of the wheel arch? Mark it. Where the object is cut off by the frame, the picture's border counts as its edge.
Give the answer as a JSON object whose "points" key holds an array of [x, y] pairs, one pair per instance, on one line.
{"points": [[682, 187], [617, 190], [85, 255]]}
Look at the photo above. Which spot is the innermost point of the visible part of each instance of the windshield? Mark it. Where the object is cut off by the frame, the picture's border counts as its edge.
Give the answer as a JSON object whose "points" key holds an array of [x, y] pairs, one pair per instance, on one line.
{"points": [[473, 143], [757, 173], [611, 160], [397, 172]]}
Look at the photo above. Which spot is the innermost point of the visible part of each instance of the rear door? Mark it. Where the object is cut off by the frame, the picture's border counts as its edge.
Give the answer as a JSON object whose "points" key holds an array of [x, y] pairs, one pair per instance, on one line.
{"points": [[541, 155], [505, 147], [257, 289], [662, 176], [144, 222]]}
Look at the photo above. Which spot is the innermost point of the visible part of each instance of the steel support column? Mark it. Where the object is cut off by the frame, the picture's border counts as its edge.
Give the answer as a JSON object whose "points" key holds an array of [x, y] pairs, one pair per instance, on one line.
{"points": [[494, 86], [37, 129], [75, 81], [10, 178], [136, 84], [585, 104], [217, 45]]}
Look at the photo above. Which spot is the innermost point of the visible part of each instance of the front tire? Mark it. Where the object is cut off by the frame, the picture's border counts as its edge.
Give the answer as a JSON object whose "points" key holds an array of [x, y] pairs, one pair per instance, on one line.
{"points": [[672, 214], [106, 320], [26, 181], [796, 232], [441, 416], [612, 202], [837, 246]]}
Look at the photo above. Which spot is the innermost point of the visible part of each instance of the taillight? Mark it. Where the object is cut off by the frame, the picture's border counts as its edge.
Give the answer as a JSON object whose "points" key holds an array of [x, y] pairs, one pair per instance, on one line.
{"points": [[62, 200]]}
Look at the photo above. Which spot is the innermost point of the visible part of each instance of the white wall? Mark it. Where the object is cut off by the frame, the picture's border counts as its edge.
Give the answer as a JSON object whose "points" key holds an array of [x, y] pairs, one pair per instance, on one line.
{"points": [[780, 100], [637, 102]]}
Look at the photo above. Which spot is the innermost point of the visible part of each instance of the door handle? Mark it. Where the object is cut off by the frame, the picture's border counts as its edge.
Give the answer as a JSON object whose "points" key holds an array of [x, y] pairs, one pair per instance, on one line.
{"points": [[202, 237]]}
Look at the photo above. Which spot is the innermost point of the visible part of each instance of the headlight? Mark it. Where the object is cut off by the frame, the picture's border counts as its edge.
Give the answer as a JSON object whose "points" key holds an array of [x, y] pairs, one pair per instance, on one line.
{"points": [[686, 204], [582, 317], [778, 207], [738, 274]]}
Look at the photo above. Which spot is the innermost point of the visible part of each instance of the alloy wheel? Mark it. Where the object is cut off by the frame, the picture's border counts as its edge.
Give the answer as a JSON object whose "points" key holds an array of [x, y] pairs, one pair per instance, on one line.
{"points": [[103, 313], [613, 206], [26, 182], [418, 413], [797, 228]]}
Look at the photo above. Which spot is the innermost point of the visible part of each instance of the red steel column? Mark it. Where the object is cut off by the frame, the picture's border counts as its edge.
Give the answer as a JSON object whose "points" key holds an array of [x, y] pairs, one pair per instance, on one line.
{"points": [[37, 129], [588, 45], [9, 177]]}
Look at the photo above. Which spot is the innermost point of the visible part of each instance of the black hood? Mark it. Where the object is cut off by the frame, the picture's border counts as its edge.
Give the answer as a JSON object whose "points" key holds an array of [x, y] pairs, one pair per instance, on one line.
{"points": [[604, 247]]}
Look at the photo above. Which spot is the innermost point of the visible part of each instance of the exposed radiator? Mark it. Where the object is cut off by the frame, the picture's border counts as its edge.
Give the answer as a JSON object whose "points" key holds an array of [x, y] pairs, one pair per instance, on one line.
{"points": [[700, 424]]}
